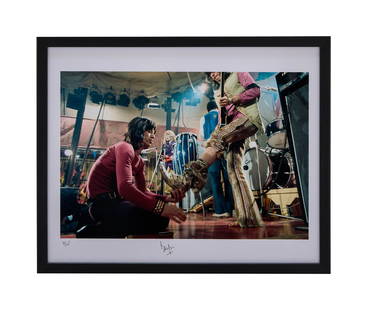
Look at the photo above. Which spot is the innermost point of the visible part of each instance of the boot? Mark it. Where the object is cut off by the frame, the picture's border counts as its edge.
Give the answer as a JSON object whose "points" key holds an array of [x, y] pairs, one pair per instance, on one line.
{"points": [[175, 181], [195, 176]]}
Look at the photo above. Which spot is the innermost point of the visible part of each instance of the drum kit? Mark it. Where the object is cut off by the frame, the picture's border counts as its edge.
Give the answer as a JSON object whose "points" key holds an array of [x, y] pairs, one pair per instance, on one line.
{"points": [[272, 166]]}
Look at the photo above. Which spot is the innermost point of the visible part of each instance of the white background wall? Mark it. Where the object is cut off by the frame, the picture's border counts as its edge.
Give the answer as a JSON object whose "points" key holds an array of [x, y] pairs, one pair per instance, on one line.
{"points": [[22, 21]]}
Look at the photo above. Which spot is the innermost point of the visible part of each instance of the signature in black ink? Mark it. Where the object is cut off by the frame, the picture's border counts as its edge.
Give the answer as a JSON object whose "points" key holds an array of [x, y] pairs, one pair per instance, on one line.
{"points": [[66, 243], [166, 248]]}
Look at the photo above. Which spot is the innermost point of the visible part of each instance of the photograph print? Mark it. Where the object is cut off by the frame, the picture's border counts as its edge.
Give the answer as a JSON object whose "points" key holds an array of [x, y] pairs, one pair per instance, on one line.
{"points": [[184, 155]]}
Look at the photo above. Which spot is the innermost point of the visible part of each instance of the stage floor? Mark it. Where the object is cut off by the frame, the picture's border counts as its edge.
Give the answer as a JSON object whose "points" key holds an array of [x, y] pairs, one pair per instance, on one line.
{"points": [[199, 227]]}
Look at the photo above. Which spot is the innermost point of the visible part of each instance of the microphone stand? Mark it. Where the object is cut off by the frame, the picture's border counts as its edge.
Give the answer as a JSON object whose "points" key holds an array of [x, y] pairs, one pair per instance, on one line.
{"points": [[259, 177]]}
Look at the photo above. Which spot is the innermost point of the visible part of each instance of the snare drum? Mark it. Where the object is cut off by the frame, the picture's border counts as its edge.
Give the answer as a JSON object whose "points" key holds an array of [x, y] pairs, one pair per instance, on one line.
{"points": [[186, 150], [277, 135]]}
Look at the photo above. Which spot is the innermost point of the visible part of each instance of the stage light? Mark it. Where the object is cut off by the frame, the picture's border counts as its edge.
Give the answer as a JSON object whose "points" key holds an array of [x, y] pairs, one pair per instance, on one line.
{"points": [[190, 98], [140, 102], [124, 99], [206, 90], [68, 152], [153, 105], [203, 88], [96, 97], [110, 98]]}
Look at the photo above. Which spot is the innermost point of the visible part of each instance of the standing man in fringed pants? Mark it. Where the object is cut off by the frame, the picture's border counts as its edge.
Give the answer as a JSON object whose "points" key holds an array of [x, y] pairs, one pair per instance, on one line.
{"points": [[240, 99]]}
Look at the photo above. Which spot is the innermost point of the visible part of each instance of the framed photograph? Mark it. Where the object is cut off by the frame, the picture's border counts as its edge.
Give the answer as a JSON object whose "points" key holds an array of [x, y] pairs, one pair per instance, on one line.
{"points": [[183, 155]]}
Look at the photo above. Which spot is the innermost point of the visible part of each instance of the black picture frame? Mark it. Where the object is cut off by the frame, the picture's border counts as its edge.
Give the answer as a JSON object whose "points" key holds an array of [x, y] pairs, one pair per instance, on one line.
{"points": [[44, 43]]}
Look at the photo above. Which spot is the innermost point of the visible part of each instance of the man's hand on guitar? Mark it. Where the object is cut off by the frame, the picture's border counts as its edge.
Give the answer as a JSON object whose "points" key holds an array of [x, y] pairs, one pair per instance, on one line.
{"points": [[223, 101]]}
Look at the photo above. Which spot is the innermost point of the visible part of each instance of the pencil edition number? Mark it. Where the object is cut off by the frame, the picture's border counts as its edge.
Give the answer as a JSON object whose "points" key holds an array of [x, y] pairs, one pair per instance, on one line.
{"points": [[65, 243], [166, 249]]}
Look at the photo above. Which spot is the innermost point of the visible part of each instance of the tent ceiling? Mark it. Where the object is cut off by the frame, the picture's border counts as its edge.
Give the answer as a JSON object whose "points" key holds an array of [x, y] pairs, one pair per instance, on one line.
{"points": [[152, 83]]}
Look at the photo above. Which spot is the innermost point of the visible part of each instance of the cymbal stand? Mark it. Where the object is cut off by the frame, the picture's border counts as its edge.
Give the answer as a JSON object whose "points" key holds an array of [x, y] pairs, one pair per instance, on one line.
{"points": [[258, 173]]}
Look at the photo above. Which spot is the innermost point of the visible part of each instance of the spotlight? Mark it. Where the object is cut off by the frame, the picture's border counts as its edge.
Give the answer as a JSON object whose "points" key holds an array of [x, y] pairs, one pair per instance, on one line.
{"points": [[68, 152], [110, 98], [190, 98], [206, 90], [140, 102], [203, 88], [153, 105], [96, 97], [124, 100]]}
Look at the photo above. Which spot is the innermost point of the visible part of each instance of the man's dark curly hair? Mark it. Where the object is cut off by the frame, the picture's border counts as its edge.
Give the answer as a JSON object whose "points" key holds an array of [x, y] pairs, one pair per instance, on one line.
{"points": [[211, 105], [136, 129]]}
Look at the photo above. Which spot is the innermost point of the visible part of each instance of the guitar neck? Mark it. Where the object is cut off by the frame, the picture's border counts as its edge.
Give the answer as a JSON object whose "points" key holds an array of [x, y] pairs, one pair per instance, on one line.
{"points": [[223, 111], [222, 84]]}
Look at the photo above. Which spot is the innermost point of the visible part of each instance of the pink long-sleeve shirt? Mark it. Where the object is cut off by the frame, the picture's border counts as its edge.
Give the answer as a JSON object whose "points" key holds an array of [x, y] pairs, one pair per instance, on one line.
{"points": [[121, 170], [246, 97]]}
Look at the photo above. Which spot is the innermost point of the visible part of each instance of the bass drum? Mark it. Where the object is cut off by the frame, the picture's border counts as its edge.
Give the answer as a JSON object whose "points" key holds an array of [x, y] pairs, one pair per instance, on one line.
{"points": [[282, 171], [186, 150], [277, 135], [274, 171]]}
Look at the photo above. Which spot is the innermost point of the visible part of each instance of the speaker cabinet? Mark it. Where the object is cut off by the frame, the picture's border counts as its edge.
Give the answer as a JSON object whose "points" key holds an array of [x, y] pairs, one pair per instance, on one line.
{"points": [[293, 92]]}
